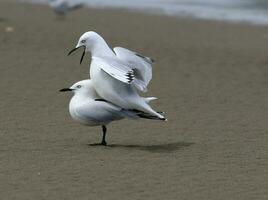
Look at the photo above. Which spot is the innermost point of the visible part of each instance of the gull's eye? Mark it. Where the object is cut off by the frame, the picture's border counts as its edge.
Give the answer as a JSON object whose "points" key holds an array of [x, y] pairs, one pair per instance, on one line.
{"points": [[79, 86], [83, 41]]}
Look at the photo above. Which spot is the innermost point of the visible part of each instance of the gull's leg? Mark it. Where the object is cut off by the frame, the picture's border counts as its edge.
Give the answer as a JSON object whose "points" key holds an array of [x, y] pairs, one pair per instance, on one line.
{"points": [[104, 130], [103, 141]]}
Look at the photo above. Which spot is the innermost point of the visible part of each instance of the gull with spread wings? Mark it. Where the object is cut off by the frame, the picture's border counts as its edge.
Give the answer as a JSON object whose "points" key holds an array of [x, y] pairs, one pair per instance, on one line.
{"points": [[117, 74]]}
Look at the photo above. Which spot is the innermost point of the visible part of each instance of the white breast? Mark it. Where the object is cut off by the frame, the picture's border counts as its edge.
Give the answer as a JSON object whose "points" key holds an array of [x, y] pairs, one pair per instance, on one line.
{"points": [[75, 101]]}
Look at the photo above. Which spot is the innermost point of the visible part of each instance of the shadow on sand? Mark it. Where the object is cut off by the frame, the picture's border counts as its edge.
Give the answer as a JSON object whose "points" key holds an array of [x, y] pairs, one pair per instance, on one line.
{"points": [[158, 148]]}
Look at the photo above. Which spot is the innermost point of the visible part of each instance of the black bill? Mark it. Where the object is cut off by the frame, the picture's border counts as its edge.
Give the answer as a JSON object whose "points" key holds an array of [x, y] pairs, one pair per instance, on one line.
{"points": [[65, 90], [73, 50], [82, 57]]}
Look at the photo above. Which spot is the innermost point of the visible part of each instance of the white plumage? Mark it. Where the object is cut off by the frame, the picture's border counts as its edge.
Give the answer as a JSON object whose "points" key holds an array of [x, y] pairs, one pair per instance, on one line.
{"points": [[141, 65], [111, 94], [118, 74], [87, 107]]}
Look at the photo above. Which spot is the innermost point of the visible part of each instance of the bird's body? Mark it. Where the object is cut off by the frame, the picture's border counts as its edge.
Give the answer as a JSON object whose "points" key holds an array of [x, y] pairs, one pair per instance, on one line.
{"points": [[118, 74], [87, 107], [89, 112], [113, 90], [112, 93]]}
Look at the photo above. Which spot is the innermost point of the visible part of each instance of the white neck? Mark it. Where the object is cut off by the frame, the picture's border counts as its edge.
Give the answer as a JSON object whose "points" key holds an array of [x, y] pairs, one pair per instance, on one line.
{"points": [[101, 49], [78, 100]]}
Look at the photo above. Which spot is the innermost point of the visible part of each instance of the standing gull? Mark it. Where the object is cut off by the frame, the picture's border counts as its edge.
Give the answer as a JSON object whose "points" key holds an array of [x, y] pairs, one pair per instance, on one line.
{"points": [[88, 108], [118, 74]]}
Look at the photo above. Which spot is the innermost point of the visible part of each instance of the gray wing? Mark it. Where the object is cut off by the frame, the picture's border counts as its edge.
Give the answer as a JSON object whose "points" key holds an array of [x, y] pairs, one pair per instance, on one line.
{"points": [[115, 68], [141, 65]]}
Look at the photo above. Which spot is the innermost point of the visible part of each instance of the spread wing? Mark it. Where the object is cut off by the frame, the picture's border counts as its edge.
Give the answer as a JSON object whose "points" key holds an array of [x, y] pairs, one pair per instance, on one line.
{"points": [[115, 68], [141, 66]]}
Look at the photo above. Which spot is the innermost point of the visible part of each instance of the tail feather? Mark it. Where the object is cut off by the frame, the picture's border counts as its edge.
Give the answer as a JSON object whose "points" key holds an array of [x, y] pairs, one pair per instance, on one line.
{"points": [[148, 99], [151, 117], [144, 115], [141, 104]]}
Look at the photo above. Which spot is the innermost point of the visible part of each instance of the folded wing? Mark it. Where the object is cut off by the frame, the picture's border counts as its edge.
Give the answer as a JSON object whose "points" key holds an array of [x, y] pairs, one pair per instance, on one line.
{"points": [[99, 111]]}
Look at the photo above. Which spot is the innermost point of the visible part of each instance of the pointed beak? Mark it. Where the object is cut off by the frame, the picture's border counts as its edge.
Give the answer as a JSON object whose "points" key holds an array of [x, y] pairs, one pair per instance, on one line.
{"points": [[73, 50], [65, 90]]}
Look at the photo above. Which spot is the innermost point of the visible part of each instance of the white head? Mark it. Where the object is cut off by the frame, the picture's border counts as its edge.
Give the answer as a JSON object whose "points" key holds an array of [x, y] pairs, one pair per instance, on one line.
{"points": [[92, 42], [84, 87]]}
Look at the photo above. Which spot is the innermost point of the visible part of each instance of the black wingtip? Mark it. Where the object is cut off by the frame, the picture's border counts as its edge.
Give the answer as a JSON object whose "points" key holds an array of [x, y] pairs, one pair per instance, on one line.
{"points": [[130, 76], [101, 100]]}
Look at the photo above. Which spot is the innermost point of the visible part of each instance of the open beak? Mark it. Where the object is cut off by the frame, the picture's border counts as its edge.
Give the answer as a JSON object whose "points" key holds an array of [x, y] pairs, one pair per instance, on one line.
{"points": [[65, 90], [73, 50]]}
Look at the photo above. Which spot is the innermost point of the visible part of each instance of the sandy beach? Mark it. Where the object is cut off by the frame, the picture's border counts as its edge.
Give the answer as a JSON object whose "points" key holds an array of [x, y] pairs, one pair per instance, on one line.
{"points": [[211, 79]]}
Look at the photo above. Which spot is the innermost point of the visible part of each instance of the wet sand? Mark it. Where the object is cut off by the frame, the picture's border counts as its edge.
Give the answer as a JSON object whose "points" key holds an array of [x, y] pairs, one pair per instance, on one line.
{"points": [[210, 78]]}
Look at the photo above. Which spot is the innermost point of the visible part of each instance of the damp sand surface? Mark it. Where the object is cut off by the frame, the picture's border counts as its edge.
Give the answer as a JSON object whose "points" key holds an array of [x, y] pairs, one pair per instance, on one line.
{"points": [[210, 78]]}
